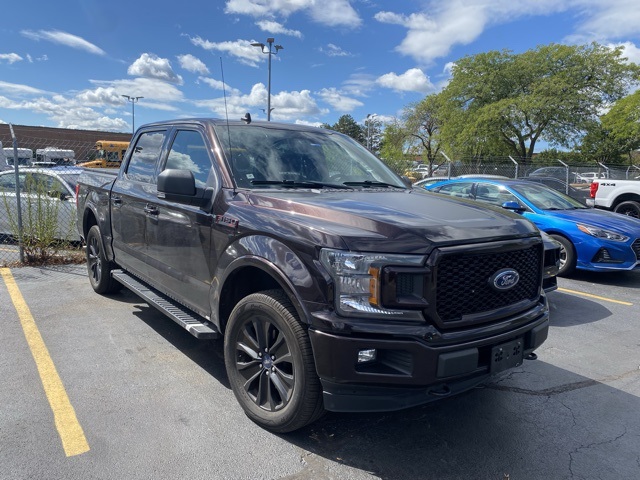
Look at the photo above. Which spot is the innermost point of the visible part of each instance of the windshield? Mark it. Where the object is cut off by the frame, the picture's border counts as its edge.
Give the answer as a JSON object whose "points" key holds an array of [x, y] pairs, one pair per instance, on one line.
{"points": [[546, 198], [268, 157]]}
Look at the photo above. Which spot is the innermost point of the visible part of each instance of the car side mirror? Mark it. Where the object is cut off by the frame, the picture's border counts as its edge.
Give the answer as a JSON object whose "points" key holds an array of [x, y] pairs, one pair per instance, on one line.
{"points": [[407, 181], [513, 205], [177, 185]]}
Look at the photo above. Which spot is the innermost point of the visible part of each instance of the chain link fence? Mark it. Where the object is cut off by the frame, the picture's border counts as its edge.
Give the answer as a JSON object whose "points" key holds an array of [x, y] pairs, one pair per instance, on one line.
{"points": [[37, 198]]}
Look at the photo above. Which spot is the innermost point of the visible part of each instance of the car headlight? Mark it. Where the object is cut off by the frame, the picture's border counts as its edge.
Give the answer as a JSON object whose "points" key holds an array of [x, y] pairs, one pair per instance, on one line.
{"points": [[357, 277], [602, 233]]}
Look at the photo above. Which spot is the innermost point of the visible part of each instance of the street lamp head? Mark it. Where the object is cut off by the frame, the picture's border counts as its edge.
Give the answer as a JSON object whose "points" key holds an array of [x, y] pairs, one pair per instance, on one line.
{"points": [[278, 47], [257, 44], [270, 40]]}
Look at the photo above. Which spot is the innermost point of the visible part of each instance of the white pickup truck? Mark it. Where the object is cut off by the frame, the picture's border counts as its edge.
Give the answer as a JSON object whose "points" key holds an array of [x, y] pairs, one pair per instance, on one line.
{"points": [[620, 196]]}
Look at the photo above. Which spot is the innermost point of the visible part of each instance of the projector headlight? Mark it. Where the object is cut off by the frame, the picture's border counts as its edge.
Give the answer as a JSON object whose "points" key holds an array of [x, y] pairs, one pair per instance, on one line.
{"points": [[357, 281]]}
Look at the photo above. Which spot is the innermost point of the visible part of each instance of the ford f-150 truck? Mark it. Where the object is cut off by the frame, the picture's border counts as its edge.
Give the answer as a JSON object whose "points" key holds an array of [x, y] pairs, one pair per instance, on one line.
{"points": [[334, 285], [620, 196]]}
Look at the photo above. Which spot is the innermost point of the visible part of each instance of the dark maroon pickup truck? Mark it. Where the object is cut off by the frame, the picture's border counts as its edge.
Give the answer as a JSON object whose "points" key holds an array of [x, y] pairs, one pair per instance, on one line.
{"points": [[334, 285]]}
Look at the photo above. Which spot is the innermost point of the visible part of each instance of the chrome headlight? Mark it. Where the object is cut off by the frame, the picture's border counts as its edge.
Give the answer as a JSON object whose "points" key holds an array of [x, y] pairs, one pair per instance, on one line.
{"points": [[602, 233], [356, 276]]}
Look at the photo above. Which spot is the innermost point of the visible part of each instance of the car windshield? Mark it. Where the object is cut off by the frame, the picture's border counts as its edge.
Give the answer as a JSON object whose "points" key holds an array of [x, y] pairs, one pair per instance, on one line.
{"points": [[546, 198], [272, 157]]}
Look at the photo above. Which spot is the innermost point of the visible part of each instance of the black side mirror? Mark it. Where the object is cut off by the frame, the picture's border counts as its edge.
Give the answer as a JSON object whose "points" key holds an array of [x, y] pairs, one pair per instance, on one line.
{"points": [[179, 186]]}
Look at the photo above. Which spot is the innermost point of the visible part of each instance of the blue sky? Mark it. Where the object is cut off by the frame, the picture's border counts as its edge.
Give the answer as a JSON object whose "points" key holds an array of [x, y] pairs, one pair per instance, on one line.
{"points": [[67, 63]]}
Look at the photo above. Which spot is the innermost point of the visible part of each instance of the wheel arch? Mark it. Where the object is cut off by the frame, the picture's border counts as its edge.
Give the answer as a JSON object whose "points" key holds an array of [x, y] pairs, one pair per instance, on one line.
{"points": [[625, 197], [258, 263]]}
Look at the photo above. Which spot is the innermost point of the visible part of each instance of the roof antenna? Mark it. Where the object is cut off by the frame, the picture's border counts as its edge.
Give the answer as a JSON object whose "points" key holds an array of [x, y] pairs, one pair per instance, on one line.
{"points": [[226, 114], [246, 118]]}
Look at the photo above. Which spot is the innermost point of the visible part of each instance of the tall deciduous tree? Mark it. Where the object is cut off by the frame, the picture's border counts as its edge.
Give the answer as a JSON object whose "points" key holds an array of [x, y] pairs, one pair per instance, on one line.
{"points": [[553, 92], [623, 122], [422, 123], [347, 125]]}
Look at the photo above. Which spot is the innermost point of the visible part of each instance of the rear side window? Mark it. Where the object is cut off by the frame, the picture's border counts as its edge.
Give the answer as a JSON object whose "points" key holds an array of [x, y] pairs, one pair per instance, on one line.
{"points": [[145, 156]]}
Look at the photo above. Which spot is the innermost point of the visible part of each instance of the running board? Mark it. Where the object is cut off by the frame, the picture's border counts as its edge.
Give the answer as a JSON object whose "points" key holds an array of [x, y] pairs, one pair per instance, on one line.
{"points": [[195, 325]]}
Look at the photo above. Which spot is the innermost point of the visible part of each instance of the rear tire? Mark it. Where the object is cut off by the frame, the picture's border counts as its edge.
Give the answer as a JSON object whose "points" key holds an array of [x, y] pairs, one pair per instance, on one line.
{"points": [[567, 256], [270, 364], [630, 208], [98, 266]]}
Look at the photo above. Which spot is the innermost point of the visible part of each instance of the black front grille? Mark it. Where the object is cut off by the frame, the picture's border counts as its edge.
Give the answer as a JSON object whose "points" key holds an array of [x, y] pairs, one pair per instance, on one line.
{"points": [[464, 287], [636, 248]]}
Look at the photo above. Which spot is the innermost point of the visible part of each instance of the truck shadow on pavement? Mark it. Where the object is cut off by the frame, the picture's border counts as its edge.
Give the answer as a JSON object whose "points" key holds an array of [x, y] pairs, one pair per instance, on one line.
{"points": [[537, 422], [208, 354], [567, 310]]}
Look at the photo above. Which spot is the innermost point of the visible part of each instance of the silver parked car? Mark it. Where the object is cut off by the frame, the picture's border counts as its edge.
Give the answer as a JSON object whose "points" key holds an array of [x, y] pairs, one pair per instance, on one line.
{"points": [[48, 202]]}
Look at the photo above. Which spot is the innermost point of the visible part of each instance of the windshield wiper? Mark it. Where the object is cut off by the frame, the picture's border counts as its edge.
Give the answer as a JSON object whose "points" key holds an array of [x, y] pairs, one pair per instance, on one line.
{"points": [[369, 183], [296, 184]]}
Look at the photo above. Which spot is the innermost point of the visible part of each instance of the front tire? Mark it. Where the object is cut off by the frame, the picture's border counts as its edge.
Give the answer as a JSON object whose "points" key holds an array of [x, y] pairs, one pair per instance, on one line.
{"points": [[270, 363], [630, 208], [567, 256], [98, 266]]}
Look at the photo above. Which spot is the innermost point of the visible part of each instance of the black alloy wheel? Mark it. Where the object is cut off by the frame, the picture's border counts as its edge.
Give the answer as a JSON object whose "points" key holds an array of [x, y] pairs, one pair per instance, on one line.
{"points": [[98, 266], [270, 363]]}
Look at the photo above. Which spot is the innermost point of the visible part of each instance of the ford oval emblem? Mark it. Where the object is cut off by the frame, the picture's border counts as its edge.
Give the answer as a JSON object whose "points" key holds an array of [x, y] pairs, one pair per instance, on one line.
{"points": [[504, 279]]}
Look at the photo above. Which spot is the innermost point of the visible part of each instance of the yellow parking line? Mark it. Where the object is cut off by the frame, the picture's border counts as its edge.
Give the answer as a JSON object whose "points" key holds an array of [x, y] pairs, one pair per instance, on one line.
{"points": [[69, 429], [594, 296]]}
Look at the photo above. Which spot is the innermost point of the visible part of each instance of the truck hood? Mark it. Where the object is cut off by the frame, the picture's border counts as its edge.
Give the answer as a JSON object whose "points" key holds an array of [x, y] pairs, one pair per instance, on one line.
{"points": [[407, 221]]}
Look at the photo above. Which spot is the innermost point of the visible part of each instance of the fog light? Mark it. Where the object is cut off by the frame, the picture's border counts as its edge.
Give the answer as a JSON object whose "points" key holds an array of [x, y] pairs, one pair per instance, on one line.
{"points": [[368, 355]]}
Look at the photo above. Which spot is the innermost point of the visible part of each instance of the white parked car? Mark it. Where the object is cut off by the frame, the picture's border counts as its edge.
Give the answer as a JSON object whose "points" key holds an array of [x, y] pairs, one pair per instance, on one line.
{"points": [[589, 177], [44, 192]]}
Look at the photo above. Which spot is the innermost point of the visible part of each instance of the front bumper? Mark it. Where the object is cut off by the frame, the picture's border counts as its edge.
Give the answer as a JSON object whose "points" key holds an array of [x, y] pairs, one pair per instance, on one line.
{"points": [[413, 370]]}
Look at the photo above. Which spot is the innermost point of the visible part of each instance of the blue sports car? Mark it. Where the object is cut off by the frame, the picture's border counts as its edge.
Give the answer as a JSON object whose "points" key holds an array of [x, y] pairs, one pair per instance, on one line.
{"points": [[591, 239]]}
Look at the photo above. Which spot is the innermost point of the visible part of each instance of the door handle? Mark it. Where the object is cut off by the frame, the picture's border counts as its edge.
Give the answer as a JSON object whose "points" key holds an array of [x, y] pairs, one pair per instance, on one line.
{"points": [[116, 199]]}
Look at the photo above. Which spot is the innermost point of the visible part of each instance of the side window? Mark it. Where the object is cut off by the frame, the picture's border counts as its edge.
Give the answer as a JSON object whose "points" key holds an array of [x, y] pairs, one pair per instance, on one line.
{"points": [[460, 190], [145, 155], [494, 194], [8, 183], [189, 152]]}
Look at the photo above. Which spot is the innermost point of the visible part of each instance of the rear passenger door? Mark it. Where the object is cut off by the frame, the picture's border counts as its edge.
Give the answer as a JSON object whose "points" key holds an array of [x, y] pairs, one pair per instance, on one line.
{"points": [[133, 194], [179, 236]]}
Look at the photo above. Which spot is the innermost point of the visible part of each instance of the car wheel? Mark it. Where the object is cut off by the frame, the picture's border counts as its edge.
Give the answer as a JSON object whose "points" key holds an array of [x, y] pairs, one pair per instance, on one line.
{"points": [[630, 208], [98, 267], [270, 363], [567, 256]]}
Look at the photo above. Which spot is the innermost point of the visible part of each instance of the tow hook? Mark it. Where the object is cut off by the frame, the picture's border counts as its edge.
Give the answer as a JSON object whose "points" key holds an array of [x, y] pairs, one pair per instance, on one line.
{"points": [[531, 356]]}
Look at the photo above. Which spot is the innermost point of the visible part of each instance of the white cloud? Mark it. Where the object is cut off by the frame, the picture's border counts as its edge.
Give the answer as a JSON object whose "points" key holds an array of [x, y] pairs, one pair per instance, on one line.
{"points": [[218, 85], [152, 66], [15, 88], [240, 49], [193, 64], [629, 50], [10, 58], [277, 28], [326, 12], [334, 51], [152, 90], [63, 38], [413, 80], [287, 105], [339, 100]]}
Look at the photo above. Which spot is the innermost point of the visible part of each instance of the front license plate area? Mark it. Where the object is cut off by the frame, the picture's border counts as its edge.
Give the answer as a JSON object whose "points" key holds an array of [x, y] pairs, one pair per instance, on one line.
{"points": [[506, 355]]}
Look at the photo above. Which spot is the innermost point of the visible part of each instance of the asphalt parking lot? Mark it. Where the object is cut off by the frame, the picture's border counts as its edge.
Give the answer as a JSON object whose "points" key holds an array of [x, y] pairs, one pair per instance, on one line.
{"points": [[108, 388]]}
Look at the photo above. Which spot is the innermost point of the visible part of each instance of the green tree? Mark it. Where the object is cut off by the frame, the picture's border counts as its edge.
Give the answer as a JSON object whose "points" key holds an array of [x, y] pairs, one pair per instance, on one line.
{"points": [[347, 125], [553, 92], [393, 147], [622, 122], [422, 123]]}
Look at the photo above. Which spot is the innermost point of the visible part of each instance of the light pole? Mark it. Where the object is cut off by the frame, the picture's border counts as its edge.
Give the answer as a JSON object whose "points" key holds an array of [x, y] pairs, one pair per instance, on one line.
{"points": [[133, 101], [369, 119], [268, 51]]}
